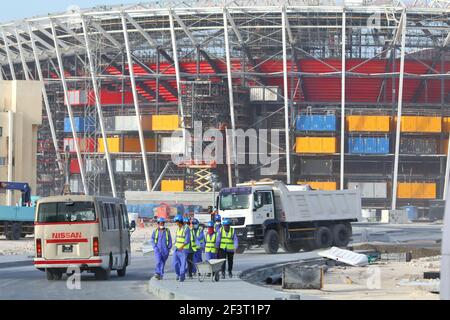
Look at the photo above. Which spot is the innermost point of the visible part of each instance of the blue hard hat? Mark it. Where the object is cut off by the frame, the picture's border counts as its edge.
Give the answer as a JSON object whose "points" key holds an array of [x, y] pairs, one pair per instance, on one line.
{"points": [[187, 219], [161, 220], [218, 218], [210, 224], [226, 222], [178, 218]]}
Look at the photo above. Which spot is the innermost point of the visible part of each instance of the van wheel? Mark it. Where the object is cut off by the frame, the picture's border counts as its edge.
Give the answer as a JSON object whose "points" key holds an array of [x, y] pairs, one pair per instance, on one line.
{"points": [[271, 242], [57, 275], [122, 272], [341, 235], [323, 238], [49, 274], [104, 274]]}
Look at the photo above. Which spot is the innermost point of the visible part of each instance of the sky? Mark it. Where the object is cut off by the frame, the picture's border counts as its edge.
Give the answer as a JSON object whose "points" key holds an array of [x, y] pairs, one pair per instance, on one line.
{"points": [[19, 9]]}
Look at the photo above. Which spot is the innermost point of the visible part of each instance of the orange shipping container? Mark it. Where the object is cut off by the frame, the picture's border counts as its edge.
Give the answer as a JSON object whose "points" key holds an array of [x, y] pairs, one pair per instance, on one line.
{"points": [[316, 145], [321, 185], [134, 145], [421, 124], [172, 185], [416, 190], [361, 123]]}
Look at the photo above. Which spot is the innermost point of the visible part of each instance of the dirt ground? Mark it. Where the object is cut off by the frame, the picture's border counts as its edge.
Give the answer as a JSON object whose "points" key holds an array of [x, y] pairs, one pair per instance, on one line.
{"points": [[380, 281]]}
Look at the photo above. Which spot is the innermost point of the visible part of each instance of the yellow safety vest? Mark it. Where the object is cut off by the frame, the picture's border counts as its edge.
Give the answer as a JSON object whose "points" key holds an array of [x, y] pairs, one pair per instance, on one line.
{"points": [[157, 236], [193, 238], [226, 241], [211, 243], [181, 238]]}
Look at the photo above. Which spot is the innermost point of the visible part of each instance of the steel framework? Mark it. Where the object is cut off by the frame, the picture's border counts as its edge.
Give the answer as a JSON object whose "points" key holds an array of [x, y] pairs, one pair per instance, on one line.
{"points": [[382, 57]]}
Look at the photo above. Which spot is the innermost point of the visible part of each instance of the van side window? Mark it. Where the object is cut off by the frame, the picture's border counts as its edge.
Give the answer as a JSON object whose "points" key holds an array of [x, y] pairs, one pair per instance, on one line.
{"points": [[112, 217], [105, 217], [126, 221]]}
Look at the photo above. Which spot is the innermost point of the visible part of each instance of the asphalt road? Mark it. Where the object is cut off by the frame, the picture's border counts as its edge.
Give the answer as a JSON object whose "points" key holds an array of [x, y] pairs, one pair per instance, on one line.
{"points": [[29, 283]]}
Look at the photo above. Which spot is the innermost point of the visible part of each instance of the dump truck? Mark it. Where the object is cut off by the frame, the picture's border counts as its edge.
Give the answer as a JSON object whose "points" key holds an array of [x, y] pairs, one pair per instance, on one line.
{"points": [[273, 215]]}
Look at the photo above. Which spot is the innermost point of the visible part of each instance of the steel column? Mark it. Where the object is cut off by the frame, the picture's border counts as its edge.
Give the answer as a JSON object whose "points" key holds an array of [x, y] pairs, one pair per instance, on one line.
{"points": [[136, 103], [399, 112], [45, 96], [343, 71], [22, 58], [99, 107], [178, 77], [8, 55], [69, 108], [286, 96], [230, 96]]}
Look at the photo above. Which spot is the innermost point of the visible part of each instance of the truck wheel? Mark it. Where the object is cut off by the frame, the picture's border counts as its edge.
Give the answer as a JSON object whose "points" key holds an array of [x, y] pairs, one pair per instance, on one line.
{"points": [[49, 274], [16, 231], [240, 249], [341, 235], [104, 274], [57, 275], [323, 238], [122, 272], [292, 247], [271, 242]]}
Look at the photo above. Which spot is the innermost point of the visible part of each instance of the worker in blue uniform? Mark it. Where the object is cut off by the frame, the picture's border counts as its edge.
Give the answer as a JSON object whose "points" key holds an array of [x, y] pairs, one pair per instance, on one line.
{"points": [[227, 242], [218, 220], [200, 240], [162, 243], [210, 242], [182, 246]]}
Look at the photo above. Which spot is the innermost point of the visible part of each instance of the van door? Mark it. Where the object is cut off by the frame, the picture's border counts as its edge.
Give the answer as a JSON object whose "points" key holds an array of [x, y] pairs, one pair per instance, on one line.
{"points": [[121, 234], [126, 232]]}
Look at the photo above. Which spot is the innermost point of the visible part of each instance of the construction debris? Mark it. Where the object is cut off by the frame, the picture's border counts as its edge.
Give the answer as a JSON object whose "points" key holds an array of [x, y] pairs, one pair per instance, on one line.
{"points": [[345, 256], [397, 257], [302, 277]]}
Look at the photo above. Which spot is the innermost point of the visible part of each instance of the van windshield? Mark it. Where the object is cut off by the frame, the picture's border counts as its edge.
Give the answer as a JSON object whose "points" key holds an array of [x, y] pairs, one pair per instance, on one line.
{"points": [[234, 201], [66, 212]]}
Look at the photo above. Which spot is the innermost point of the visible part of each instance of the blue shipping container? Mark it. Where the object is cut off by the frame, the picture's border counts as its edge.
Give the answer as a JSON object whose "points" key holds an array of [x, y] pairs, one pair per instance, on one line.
{"points": [[316, 123], [368, 145], [81, 125]]}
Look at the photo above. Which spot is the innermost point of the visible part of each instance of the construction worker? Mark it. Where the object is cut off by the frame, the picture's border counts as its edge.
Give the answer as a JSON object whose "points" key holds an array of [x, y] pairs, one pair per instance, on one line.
{"points": [[200, 240], [162, 243], [218, 220], [210, 242], [193, 248], [183, 243], [227, 242]]}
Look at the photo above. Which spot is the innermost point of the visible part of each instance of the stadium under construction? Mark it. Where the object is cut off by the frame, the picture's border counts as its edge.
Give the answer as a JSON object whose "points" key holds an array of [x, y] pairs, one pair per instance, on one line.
{"points": [[120, 80]]}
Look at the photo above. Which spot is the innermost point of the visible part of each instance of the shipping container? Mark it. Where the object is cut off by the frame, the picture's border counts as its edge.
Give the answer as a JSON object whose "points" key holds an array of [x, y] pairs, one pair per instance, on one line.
{"points": [[76, 185], [96, 165], [264, 93], [128, 166], [74, 166], [165, 122], [446, 124], [316, 123], [418, 146], [110, 124], [421, 124], [368, 145], [372, 190], [359, 123], [78, 123], [172, 185], [85, 144], [316, 167], [129, 123], [134, 145], [321, 185], [416, 190], [173, 145], [115, 145], [316, 145], [76, 98]]}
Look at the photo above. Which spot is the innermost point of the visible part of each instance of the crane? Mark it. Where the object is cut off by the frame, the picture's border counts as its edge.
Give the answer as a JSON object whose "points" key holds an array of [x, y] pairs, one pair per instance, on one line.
{"points": [[19, 186]]}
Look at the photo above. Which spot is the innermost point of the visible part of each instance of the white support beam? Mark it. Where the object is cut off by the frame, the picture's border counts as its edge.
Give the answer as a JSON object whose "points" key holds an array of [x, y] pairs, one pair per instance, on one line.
{"points": [[234, 27], [99, 107], [185, 28], [110, 38], [46, 102], [136, 103], [286, 96], [233, 153], [399, 111], [141, 30], [69, 109], [343, 78], [69, 31], [178, 77], [55, 38], [446, 41], [26, 71], [39, 39], [8, 55]]}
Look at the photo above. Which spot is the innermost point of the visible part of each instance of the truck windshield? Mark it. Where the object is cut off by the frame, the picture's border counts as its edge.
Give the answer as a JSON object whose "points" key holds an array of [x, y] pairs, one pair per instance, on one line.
{"points": [[66, 212], [234, 201]]}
